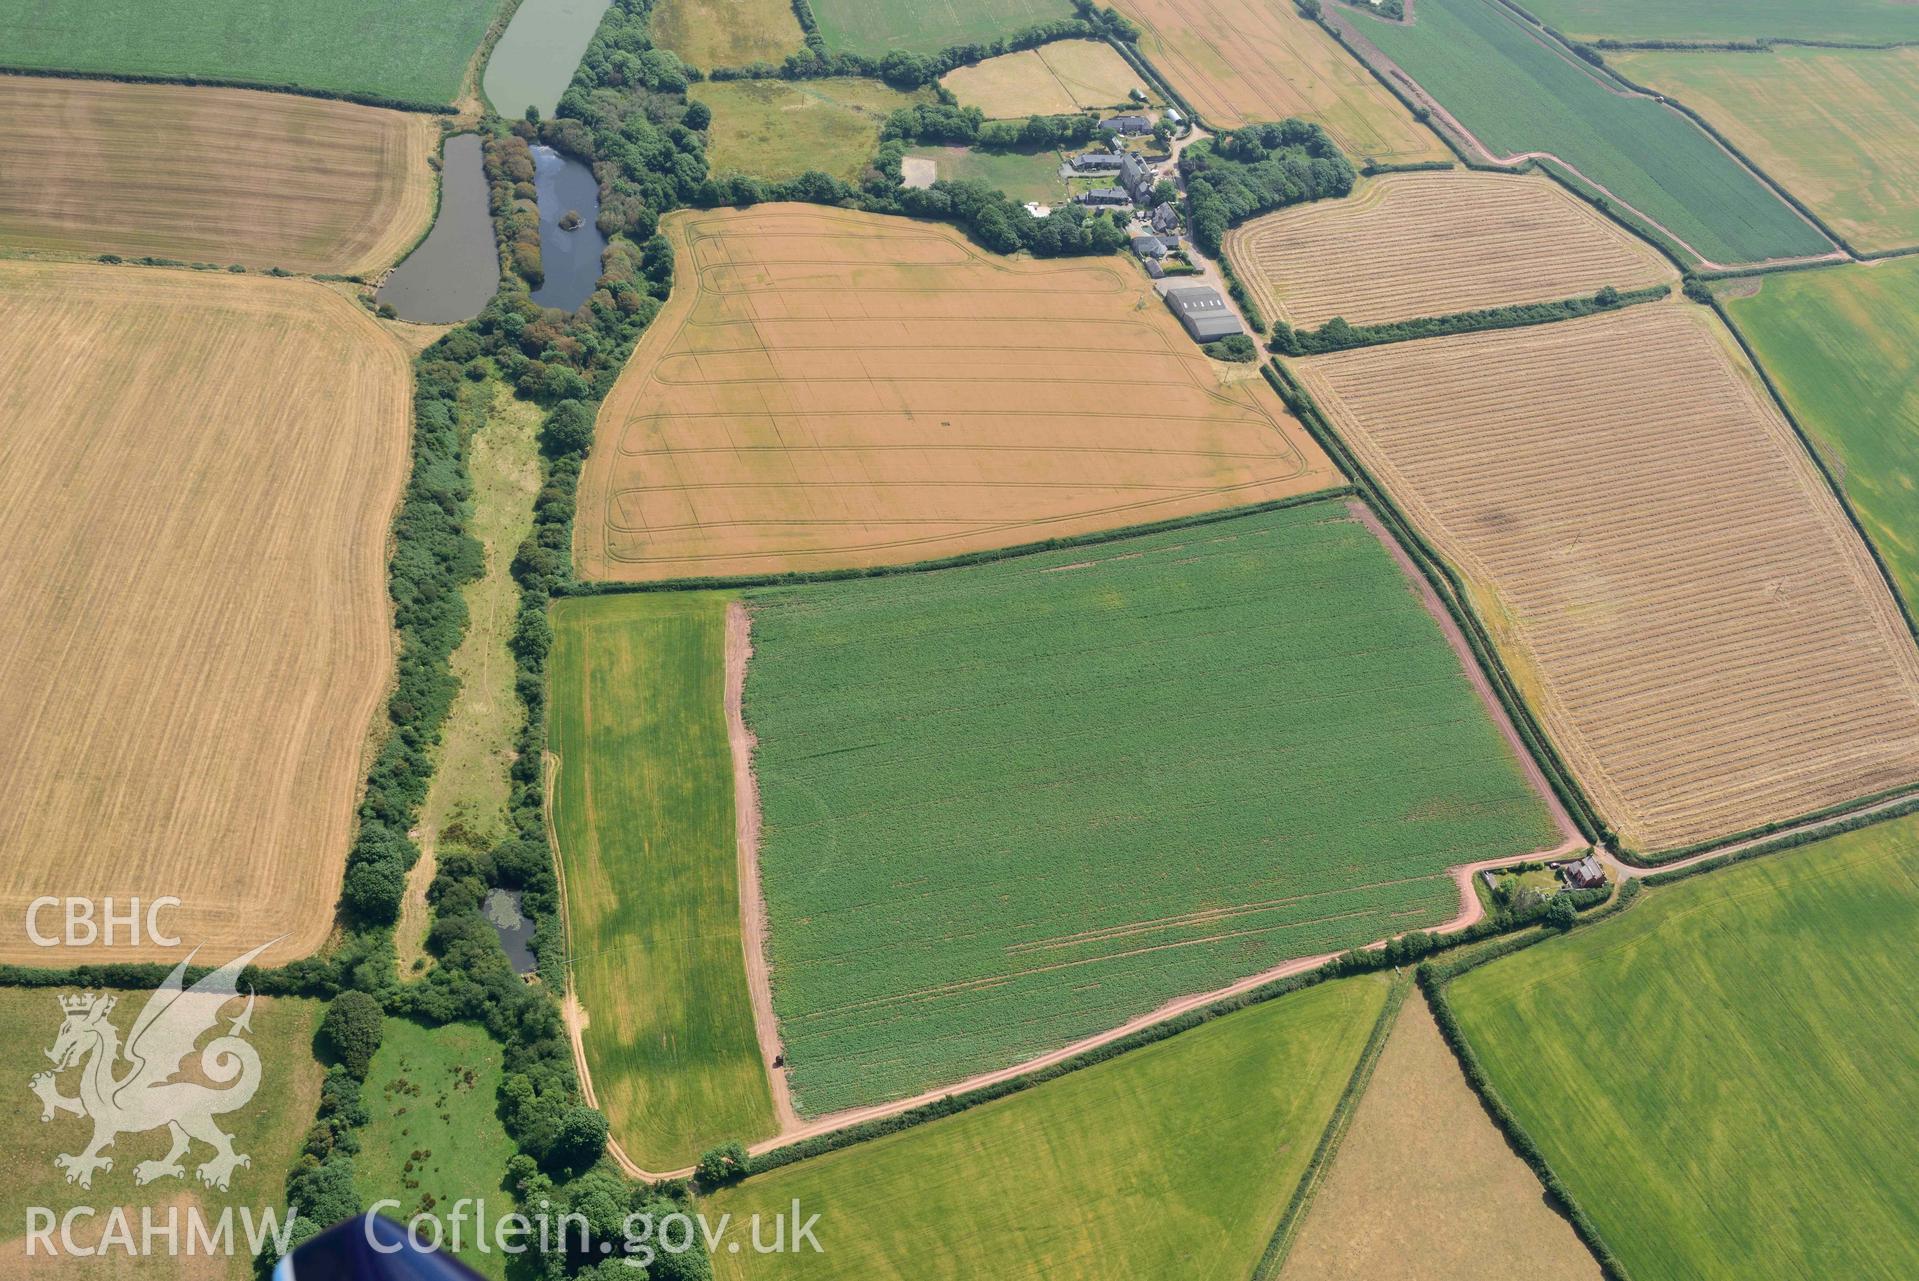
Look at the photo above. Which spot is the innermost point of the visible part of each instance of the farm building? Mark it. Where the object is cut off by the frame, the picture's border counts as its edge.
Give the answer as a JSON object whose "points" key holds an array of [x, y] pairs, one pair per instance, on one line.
{"points": [[1105, 198], [1127, 125], [1149, 247], [1204, 313], [1096, 162], [1154, 270], [1137, 177], [1166, 217], [1583, 874]]}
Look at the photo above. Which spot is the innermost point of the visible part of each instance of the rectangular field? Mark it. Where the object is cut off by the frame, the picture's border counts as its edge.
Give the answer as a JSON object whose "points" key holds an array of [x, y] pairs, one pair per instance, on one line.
{"points": [[1678, 593], [779, 129], [1723, 1075], [1855, 21], [1023, 175], [1517, 92], [727, 33], [211, 175], [413, 51], [1014, 805], [1054, 79], [1424, 1174], [201, 474], [827, 389], [1429, 244], [1252, 61], [1843, 347], [878, 27], [1174, 1160], [643, 815], [268, 1129], [1837, 127]]}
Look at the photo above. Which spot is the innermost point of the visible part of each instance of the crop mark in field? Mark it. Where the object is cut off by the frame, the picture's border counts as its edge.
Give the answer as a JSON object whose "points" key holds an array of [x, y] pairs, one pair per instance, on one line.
{"points": [[847, 390]]}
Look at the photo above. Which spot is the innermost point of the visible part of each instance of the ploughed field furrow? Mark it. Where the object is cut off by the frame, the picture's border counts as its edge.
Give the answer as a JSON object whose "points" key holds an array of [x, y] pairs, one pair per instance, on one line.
{"points": [[1430, 244], [1712, 645]]}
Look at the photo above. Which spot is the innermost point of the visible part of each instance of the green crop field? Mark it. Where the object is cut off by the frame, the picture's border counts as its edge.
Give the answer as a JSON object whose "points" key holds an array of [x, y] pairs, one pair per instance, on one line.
{"points": [[267, 1130], [1854, 21], [433, 1136], [643, 811], [926, 26], [1843, 346], [1175, 1160], [411, 50], [1013, 805], [1723, 1075], [1023, 175], [778, 129], [1836, 127], [1519, 92]]}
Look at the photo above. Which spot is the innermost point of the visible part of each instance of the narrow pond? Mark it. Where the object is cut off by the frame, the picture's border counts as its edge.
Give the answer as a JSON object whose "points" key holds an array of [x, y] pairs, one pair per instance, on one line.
{"points": [[571, 258], [502, 910], [453, 272], [538, 53]]}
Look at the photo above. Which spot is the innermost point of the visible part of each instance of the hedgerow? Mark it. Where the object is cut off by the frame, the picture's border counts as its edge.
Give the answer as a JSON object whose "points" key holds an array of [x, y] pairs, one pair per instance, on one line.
{"points": [[1337, 335]]}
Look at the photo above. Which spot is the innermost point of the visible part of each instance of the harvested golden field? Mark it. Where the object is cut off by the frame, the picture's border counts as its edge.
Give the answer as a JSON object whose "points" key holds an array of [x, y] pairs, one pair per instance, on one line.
{"points": [[1676, 590], [830, 389], [1430, 244], [1054, 79], [211, 175], [1424, 1174], [1249, 61], [200, 472]]}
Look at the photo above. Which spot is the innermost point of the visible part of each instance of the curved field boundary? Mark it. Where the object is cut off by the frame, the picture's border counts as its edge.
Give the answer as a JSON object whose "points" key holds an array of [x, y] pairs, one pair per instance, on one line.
{"points": [[1432, 244]]}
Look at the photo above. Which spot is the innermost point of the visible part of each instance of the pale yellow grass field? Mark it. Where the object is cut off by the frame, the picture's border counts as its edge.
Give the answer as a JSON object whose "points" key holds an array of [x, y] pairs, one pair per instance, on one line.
{"points": [[1839, 128], [1424, 1179], [727, 33], [1708, 641], [831, 389], [1428, 244], [200, 472], [1054, 79], [211, 175], [1249, 61]]}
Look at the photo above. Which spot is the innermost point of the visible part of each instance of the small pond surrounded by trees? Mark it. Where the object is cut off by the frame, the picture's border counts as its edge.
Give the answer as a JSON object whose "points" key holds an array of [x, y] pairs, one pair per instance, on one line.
{"points": [[456, 269], [569, 250], [538, 53]]}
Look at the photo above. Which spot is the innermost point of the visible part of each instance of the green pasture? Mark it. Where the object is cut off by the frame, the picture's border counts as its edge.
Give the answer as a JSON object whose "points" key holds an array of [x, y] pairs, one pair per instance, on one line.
{"points": [[1519, 92], [1012, 805], [643, 812], [433, 1135], [1858, 21], [410, 50], [1175, 1160], [879, 27], [779, 129], [1843, 347], [1022, 175], [1724, 1074]]}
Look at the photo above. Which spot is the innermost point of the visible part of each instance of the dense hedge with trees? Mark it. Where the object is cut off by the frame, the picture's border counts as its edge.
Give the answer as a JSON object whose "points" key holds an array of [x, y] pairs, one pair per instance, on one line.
{"points": [[1252, 170], [1337, 335], [943, 122]]}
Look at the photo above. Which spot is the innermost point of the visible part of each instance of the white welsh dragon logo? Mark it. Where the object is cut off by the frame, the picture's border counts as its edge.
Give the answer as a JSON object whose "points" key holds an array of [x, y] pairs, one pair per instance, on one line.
{"points": [[148, 1096]]}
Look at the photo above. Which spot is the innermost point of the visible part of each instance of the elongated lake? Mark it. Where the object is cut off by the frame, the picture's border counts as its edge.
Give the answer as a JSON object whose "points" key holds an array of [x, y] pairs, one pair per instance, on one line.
{"points": [[538, 53], [571, 257], [453, 272]]}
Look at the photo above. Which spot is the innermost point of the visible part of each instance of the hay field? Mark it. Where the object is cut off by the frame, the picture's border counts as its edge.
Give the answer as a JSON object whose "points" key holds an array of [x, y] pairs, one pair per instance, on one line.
{"points": [[828, 388], [1723, 1076], [1837, 127], [413, 51], [201, 473], [1680, 596], [727, 33], [1173, 1160], [1247, 61], [1428, 244], [1016, 804], [1519, 92], [1054, 79], [1423, 1173], [211, 175], [643, 815], [1843, 348], [779, 129]]}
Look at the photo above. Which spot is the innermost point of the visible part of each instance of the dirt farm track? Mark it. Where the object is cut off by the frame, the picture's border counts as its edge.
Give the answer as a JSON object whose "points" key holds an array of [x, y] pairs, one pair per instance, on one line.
{"points": [[831, 389], [199, 476]]}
